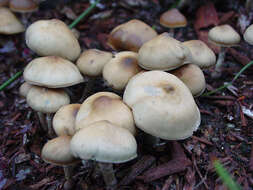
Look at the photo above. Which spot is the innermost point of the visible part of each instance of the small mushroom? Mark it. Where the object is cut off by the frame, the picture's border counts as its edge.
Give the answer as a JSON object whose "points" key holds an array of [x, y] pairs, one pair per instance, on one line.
{"points": [[23, 6], [223, 36], [130, 36], [248, 35], [120, 69], [52, 38], [202, 55], [105, 143], [173, 19]]}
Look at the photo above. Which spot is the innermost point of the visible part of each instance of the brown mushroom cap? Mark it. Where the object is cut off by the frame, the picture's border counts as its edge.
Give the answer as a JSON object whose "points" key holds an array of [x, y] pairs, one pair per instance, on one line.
{"points": [[23, 6], [120, 69], [248, 35], [57, 152], [52, 37], [193, 77], [24, 89], [162, 105], [105, 106], [173, 19], [9, 24], [52, 72], [46, 100], [104, 142], [224, 36], [163, 53], [130, 36], [91, 62], [202, 55]]}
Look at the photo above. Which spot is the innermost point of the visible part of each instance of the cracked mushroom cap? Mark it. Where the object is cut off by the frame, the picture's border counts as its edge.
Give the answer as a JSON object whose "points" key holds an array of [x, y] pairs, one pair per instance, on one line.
{"points": [[120, 69], [52, 72], [130, 36], [162, 105], [173, 19], [193, 77], [224, 36], [105, 106], [92, 61], [202, 55], [104, 142], [23, 6], [9, 23], [64, 120], [52, 37], [46, 100], [163, 53], [24, 89], [248, 35], [57, 152]]}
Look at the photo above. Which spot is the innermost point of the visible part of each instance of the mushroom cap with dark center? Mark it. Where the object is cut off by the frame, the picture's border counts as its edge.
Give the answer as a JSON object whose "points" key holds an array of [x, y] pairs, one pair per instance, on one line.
{"points": [[248, 35], [173, 19], [23, 6]]}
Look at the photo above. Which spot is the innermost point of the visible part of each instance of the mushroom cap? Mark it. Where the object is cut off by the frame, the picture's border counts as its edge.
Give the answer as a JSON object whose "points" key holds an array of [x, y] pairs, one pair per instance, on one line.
{"points": [[120, 69], [23, 6], [224, 36], [93, 109], [46, 100], [248, 35], [4, 3], [52, 72], [130, 36], [193, 77], [173, 19], [91, 62], [24, 89], [202, 55], [57, 152], [52, 37], [104, 142], [64, 120], [163, 53], [9, 23], [162, 105]]}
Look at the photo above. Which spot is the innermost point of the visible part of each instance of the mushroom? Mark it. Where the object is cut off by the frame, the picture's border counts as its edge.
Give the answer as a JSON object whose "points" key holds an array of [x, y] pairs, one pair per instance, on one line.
{"points": [[223, 36], [47, 101], [93, 109], [64, 120], [173, 19], [202, 55], [122, 67], [163, 53], [162, 105], [130, 36], [9, 23], [248, 35], [193, 77], [52, 37], [106, 143], [52, 72]]}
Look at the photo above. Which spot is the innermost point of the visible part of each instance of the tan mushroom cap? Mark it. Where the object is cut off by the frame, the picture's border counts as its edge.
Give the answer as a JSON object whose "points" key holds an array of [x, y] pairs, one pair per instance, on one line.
{"points": [[120, 69], [46, 100], [52, 72], [24, 89], [173, 19], [23, 6], [193, 77], [4, 3], [9, 23], [130, 36], [91, 62], [248, 35], [224, 36], [104, 142], [162, 105], [64, 120], [163, 53], [52, 37], [105, 106], [202, 55], [57, 152]]}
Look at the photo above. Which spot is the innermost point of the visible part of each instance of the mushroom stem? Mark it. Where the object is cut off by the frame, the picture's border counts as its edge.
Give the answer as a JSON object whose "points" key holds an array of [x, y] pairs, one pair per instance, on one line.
{"points": [[172, 32], [69, 92], [87, 89], [108, 174], [68, 171], [49, 125], [152, 141], [42, 120], [221, 57]]}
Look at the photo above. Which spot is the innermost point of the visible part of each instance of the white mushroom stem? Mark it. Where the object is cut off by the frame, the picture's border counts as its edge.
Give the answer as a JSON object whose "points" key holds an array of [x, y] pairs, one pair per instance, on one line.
{"points": [[221, 57], [108, 174], [152, 141], [42, 120], [172, 32], [68, 171], [49, 125]]}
